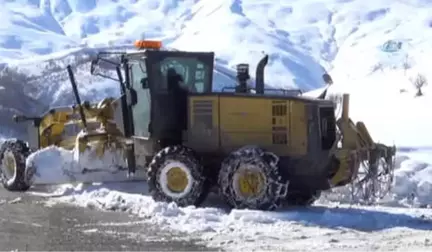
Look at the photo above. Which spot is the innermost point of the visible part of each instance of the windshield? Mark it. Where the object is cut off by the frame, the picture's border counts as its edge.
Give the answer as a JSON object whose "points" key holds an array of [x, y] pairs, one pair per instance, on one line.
{"points": [[195, 70], [192, 71]]}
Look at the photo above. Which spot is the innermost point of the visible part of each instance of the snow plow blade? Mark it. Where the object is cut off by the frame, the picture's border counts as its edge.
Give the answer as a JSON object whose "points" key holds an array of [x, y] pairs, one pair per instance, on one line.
{"points": [[361, 162]]}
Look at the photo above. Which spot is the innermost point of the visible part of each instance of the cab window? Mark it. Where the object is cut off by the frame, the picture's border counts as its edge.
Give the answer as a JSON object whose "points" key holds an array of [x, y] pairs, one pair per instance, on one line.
{"points": [[195, 73]]}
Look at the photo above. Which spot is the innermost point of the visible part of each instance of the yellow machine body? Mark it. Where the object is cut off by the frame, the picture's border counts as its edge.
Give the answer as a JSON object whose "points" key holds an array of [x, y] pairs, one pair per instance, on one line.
{"points": [[228, 122], [301, 131]]}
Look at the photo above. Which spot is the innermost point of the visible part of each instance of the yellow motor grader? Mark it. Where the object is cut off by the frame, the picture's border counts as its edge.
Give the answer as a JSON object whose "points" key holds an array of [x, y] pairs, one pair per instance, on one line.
{"points": [[258, 148]]}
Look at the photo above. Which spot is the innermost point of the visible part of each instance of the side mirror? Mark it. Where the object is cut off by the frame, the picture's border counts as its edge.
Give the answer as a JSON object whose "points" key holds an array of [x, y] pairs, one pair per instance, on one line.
{"points": [[144, 83], [327, 79], [19, 118]]}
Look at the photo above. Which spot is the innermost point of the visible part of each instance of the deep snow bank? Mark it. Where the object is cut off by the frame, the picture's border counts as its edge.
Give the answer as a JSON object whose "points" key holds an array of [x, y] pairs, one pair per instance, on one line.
{"points": [[413, 180], [412, 184]]}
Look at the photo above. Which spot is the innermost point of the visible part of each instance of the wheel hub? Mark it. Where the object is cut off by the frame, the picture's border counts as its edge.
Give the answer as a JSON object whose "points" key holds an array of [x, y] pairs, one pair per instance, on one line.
{"points": [[8, 164], [177, 179], [250, 183]]}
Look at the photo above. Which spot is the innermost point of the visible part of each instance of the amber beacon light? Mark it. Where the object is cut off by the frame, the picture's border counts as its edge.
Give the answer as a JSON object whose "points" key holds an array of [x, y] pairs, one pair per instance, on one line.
{"points": [[148, 44]]}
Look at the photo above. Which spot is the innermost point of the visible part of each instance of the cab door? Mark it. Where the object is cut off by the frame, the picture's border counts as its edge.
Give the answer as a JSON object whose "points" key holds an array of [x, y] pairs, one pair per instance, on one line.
{"points": [[141, 109]]}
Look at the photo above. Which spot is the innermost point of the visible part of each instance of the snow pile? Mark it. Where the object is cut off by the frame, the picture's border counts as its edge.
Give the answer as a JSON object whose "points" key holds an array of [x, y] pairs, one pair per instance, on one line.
{"points": [[329, 227], [411, 186], [413, 180], [54, 165]]}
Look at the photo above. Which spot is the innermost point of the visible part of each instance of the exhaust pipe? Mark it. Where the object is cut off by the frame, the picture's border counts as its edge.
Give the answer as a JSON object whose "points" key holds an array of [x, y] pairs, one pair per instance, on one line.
{"points": [[259, 75]]}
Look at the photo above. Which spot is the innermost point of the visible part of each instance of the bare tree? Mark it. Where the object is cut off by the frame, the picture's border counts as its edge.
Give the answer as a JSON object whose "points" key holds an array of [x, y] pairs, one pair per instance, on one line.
{"points": [[406, 64], [377, 66], [419, 82]]}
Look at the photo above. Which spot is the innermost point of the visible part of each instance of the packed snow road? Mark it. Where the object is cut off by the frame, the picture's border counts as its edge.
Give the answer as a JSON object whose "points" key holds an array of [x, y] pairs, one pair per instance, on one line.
{"points": [[27, 223]]}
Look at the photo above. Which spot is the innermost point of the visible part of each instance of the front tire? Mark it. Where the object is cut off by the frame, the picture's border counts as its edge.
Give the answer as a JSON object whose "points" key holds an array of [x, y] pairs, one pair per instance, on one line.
{"points": [[13, 155], [176, 175]]}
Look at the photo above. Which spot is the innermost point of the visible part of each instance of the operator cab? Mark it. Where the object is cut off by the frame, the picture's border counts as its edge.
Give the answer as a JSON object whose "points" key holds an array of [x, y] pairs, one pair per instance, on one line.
{"points": [[159, 82]]}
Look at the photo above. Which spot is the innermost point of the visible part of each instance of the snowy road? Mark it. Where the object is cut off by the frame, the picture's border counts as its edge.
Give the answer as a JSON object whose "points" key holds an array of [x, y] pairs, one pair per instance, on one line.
{"points": [[319, 228], [27, 224]]}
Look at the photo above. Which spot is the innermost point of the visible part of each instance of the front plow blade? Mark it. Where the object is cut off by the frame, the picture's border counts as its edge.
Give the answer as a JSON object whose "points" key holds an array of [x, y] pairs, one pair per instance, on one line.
{"points": [[375, 176]]}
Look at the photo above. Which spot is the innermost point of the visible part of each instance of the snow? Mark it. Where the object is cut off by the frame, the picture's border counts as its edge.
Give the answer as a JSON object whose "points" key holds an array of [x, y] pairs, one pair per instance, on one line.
{"points": [[331, 223], [391, 121], [304, 39], [189, 25], [411, 187], [322, 227], [54, 165]]}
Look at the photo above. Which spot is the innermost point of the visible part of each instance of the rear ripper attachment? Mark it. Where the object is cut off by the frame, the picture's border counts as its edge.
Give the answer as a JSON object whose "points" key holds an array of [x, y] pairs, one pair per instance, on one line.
{"points": [[366, 167]]}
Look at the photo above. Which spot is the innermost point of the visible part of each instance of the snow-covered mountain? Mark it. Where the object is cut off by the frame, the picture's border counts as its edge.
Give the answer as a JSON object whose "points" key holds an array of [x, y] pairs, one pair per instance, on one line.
{"points": [[41, 27], [304, 39]]}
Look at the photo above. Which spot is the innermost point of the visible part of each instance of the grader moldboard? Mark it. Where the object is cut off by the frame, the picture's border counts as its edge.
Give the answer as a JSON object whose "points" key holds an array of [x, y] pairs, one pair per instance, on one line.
{"points": [[258, 148]]}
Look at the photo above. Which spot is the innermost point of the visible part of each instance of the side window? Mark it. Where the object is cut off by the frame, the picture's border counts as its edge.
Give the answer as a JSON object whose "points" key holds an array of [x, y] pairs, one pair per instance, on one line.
{"points": [[195, 74], [138, 72]]}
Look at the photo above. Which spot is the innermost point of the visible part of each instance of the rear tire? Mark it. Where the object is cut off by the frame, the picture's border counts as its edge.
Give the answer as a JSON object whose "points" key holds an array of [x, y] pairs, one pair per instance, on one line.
{"points": [[175, 174], [236, 188], [13, 155]]}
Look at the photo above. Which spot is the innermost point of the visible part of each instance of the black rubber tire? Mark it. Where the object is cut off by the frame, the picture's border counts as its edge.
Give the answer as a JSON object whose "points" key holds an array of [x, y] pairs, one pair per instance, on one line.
{"points": [[20, 151], [274, 192], [303, 198], [188, 157]]}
